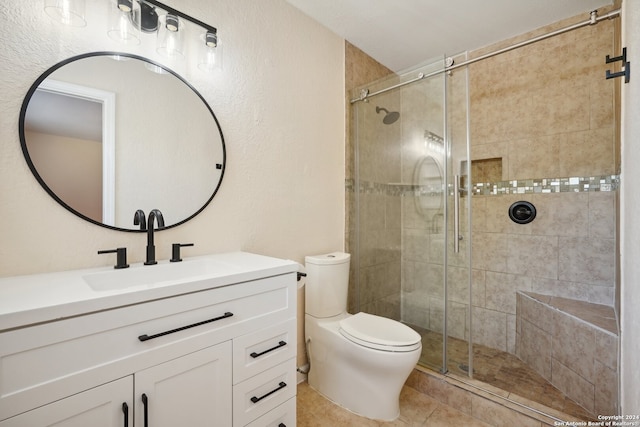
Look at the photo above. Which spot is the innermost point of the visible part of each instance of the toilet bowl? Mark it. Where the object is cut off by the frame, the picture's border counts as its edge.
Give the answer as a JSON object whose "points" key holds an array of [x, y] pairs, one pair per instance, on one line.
{"points": [[358, 361]]}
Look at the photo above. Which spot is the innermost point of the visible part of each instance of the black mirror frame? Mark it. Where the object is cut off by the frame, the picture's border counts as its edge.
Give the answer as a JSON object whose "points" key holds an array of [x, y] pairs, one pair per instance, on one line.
{"points": [[25, 151]]}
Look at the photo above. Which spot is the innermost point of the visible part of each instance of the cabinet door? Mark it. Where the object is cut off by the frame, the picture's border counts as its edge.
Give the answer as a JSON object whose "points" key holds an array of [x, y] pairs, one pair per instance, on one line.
{"points": [[108, 405], [192, 390]]}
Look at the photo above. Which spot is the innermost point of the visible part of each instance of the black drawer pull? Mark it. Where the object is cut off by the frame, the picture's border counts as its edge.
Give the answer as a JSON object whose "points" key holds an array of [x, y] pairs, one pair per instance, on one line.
{"points": [[281, 425], [282, 385], [146, 337], [125, 411], [145, 402], [280, 344]]}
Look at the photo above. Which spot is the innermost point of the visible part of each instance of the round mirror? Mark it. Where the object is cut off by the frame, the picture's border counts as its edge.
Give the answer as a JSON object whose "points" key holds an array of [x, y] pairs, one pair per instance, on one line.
{"points": [[108, 133]]}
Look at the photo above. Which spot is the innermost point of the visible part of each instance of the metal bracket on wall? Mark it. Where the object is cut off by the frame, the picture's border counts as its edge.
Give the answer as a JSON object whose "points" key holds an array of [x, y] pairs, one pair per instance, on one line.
{"points": [[626, 66]]}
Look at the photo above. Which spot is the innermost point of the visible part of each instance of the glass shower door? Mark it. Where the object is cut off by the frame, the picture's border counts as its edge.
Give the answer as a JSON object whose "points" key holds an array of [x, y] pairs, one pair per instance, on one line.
{"points": [[408, 151], [424, 213]]}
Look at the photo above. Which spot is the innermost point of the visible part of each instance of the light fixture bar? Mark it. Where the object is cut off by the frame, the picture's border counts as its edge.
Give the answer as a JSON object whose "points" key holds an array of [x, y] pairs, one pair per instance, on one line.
{"points": [[181, 15]]}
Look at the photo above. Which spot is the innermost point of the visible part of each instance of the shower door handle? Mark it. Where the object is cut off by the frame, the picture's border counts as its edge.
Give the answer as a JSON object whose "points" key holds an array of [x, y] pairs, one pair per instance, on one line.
{"points": [[456, 213]]}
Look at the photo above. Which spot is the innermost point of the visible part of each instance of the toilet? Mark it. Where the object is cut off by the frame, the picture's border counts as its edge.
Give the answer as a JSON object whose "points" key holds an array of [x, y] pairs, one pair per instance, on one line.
{"points": [[358, 361]]}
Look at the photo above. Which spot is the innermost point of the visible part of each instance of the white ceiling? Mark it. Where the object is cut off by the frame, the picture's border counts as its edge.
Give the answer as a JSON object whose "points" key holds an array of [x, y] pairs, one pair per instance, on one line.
{"points": [[404, 33]]}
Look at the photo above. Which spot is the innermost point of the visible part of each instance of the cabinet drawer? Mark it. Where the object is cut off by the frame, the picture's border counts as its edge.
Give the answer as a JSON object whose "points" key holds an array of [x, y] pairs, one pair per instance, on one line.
{"points": [[263, 392], [263, 349], [282, 416], [95, 348]]}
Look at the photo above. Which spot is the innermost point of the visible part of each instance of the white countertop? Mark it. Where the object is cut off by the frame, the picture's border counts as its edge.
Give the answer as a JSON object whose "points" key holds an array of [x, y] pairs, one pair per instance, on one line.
{"points": [[37, 298]]}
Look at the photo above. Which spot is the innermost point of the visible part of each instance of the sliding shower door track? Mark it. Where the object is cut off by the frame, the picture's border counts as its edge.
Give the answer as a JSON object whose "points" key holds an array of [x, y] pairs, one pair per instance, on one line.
{"points": [[593, 19]]}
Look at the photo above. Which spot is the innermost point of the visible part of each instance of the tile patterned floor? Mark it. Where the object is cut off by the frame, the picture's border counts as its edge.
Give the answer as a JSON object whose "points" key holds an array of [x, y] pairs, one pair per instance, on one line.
{"points": [[499, 369], [416, 410]]}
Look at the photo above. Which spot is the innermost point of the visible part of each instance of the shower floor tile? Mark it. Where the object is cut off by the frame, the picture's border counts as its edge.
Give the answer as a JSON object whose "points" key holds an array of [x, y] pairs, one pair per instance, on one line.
{"points": [[498, 369]]}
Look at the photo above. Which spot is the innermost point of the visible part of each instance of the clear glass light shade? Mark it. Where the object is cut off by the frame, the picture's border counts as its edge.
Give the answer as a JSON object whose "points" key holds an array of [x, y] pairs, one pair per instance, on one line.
{"points": [[67, 12], [123, 27], [209, 55], [170, 37]]}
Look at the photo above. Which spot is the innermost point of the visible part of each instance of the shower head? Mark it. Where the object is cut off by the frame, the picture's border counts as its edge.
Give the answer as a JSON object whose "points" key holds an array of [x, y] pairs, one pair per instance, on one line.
{"points": [[389, 117]]}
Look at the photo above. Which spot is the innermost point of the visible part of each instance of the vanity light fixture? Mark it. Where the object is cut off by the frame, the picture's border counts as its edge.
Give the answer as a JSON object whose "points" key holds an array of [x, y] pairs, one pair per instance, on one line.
{"points": [[210, 52], [211, 39], [170, 41], [125, 5], [67, 12], [433, 142], [148, 16], [172, 23], [121, 27]]}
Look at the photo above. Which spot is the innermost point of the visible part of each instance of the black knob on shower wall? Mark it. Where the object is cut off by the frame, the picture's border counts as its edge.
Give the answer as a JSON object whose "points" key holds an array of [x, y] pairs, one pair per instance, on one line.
{"points": [[522, 212]]}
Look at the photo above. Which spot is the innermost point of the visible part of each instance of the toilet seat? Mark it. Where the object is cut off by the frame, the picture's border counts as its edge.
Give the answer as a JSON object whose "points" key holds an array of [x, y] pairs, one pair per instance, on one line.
{"points": [[379, 333]]}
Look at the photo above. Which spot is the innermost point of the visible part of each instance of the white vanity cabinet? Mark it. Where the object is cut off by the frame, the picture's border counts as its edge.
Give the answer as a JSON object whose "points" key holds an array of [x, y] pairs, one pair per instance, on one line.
{"points": [[221, 354], [186, 391], [108, 405], [183, 391]]}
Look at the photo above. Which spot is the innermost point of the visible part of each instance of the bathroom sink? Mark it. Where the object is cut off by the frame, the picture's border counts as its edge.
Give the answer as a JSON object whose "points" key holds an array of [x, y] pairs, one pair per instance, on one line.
{"points": [[158, 275]]}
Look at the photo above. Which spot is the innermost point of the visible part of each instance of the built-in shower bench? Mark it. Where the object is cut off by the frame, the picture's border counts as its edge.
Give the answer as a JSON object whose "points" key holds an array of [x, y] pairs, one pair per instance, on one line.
{"points": [[573, 344]]}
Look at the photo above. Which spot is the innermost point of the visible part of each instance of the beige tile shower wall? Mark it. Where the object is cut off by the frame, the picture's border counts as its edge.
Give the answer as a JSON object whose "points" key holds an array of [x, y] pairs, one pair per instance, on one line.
{"points": [[547, 111], [567, 251]]}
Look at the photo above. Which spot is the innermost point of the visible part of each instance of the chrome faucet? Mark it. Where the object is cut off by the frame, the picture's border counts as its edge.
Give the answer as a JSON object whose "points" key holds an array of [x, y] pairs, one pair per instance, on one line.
{"points": [[151, 249]]}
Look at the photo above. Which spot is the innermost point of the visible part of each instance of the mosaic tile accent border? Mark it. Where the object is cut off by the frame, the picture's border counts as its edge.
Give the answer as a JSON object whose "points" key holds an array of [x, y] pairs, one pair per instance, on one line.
{"points": [[367, 187], [549, 185], [527, 186]]}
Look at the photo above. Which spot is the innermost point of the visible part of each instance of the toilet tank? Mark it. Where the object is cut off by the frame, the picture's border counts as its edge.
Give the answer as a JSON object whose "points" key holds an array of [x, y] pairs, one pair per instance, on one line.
{"points": [[327, 284]]}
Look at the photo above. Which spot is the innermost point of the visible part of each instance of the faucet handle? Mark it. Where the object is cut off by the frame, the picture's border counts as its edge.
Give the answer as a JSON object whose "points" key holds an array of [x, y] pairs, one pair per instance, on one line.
{"points": [[121, 256], [175, 251]]}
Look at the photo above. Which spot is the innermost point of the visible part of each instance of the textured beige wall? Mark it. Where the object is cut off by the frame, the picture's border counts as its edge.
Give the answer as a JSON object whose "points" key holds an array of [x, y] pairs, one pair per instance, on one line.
{"points": [[279, 100]]}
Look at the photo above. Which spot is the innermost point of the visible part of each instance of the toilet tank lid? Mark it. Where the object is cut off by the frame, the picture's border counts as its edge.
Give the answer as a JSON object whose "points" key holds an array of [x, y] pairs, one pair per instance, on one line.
{"points": [[327, 259]]}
